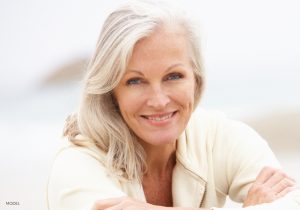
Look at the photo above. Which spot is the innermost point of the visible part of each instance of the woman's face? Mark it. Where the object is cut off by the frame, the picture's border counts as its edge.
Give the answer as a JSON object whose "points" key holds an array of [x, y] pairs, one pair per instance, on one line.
{"points": [[156, 94]]}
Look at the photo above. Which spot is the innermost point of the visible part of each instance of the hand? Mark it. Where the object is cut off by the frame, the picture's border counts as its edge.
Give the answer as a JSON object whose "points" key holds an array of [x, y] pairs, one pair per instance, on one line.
{"points": [[123, 203], [269, 185]]}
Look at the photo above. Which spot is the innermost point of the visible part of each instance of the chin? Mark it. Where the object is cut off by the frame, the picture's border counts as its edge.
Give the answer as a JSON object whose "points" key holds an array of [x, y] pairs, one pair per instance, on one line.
{"points": [[161, 139]]}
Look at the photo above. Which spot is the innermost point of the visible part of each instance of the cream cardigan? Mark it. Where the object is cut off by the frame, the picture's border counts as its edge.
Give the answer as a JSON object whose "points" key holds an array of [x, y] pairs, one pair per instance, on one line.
{"points": [[215, 157]]}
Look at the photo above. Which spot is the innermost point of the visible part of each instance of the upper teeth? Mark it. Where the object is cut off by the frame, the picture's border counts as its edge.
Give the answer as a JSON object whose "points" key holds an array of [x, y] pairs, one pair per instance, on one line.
{"points": [[159, 118]]}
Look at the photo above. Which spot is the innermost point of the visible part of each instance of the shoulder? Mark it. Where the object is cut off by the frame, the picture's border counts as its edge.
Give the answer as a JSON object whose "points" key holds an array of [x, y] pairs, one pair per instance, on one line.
{"points": [[211, 135], [215, 128], [78, 178], [69, 152], [205, 120], [77, 161], [203, 127]]}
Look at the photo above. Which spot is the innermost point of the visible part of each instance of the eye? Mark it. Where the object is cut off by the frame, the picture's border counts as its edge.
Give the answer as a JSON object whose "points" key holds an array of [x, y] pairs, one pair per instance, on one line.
{"points": [[134, 81], [174, 76]]}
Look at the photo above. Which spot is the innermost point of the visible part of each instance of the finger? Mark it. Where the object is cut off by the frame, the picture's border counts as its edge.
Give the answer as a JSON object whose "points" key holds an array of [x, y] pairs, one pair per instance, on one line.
{"points": [[106, 203], [277, 177], [264, 175], [285, 191], [283, 184]]}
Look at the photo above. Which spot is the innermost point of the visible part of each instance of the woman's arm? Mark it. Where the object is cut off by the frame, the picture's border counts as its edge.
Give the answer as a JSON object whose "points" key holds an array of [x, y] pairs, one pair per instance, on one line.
{"points": [[289, 202], [126, 203], [270, 185], [248, 180]]}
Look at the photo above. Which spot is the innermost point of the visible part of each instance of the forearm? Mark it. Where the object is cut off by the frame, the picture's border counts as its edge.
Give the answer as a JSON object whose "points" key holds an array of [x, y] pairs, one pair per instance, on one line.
{"points": [[289, 202], [181, 208], [129, 203], [178, 208]]}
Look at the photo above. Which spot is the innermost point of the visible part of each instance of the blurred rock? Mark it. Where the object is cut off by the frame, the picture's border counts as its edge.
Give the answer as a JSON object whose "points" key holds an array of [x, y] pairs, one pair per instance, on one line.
{"points": [[70, 72]]}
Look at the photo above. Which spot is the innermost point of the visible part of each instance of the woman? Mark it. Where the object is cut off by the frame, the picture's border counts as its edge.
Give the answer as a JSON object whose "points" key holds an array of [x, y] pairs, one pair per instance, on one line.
{"points": [[137, 141]]}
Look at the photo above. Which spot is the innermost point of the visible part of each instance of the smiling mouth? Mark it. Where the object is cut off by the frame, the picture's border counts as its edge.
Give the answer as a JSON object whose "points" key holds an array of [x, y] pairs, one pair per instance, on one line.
{"points": [[159, 117]]}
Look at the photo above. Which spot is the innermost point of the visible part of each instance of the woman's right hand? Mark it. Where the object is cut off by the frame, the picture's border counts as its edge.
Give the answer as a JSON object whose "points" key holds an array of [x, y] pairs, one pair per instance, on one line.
{"points": [[271, 184]]}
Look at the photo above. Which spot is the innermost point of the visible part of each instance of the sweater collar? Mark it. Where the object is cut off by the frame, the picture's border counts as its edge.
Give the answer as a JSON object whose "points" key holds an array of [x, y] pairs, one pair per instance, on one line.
{"points": [[189, 180]]}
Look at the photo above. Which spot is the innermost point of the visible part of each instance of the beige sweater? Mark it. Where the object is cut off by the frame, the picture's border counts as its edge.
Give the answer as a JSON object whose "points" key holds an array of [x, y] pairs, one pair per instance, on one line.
{"points": [[215, 156]]}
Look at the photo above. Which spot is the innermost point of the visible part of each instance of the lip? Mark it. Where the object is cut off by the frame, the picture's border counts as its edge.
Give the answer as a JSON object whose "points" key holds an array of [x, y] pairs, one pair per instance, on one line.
{"points": [[160, 119]]}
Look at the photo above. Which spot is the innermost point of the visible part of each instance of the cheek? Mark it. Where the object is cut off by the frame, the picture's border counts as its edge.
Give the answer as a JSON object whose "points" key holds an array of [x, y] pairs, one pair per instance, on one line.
{"points": [[126, 107], [129, 103], [185, 94]]}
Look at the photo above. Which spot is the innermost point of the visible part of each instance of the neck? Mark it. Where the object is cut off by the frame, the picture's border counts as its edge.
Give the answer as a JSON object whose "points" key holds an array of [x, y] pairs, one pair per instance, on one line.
{"points": [[160, 159]]}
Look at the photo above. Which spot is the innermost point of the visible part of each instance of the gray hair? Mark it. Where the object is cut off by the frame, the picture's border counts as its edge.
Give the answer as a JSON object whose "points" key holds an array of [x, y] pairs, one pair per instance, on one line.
{"points": [[99, 119]]}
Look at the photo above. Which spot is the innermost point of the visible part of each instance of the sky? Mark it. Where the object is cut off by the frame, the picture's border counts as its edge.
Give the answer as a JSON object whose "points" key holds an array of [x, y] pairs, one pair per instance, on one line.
{"points": [[251, 48]]}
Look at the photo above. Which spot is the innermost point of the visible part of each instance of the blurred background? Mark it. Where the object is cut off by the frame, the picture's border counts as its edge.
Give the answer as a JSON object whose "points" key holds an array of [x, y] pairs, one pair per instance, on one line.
{"points": [[251, 51]]}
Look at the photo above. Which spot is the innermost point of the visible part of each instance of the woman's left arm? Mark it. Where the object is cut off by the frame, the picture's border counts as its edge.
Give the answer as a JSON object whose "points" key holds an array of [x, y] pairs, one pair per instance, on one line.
{"points": [[251, 174], [270, 185]]}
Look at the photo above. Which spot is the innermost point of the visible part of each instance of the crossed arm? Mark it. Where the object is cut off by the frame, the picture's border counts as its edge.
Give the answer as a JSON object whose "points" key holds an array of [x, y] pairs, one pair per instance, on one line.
{"points": [[270, 185]]}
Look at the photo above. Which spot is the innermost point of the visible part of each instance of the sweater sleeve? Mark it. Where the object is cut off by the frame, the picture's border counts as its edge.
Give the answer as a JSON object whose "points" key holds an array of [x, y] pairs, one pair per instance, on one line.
{"points": [[247, 156], [241, 155], [245, 153], [78, 180]]}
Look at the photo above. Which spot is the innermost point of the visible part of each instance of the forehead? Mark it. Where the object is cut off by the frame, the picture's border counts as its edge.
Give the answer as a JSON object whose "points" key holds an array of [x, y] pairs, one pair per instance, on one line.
{"points": [[164, 46]]}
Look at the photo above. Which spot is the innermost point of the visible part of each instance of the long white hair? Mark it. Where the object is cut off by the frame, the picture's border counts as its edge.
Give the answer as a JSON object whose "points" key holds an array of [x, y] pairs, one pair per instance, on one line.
{"points": [[99, 119]]}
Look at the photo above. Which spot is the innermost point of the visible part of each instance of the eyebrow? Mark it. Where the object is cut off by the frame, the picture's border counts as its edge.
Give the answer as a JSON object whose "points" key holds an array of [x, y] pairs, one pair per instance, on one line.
{"points": [[168, 69]]}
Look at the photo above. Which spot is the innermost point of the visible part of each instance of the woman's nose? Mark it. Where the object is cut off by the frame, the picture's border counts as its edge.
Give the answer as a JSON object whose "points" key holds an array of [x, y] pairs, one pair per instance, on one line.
{"points": [[158, 98]]}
